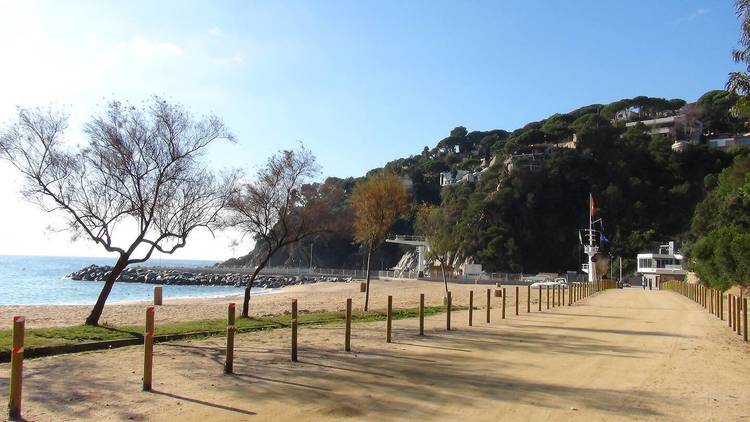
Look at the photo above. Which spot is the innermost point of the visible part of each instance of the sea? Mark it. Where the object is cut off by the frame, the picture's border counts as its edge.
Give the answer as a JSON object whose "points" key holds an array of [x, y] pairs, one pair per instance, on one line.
{"points": [[41, 280]]}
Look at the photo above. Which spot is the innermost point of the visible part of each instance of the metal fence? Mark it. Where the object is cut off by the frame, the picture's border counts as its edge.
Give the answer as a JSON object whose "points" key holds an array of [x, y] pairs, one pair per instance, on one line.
{"points": [[486, 278]]}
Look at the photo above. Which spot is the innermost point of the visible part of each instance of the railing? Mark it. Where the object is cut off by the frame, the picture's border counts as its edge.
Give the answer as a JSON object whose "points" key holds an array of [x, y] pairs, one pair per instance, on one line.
{"points": [[407, 237], [485, 278]]}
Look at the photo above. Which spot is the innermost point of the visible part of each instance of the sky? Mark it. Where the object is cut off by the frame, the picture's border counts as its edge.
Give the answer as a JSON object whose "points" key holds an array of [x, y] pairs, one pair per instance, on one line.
{"points": [[360, 83]]}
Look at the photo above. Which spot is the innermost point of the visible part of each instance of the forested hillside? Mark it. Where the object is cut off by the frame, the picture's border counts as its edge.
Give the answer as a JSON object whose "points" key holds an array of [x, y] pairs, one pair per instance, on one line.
{"points": [[522, 195]]}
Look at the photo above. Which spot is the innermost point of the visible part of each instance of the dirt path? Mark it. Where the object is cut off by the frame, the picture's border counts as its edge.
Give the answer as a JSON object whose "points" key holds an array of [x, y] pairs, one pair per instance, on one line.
{"points": [[621, 355]]}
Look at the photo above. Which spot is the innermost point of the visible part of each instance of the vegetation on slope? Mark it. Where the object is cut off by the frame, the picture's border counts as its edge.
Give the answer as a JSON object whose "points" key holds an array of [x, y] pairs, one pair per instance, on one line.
{"points": [[527, 219]]}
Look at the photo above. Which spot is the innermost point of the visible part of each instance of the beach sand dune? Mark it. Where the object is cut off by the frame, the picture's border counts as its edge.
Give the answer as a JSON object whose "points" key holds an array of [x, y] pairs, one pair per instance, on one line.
{"points": [[620, 355]]}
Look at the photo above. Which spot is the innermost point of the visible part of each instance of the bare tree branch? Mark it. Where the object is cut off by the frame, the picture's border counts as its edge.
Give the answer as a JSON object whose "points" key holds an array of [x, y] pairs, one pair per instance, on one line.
{"points": [[274, 209], [142, 165]]}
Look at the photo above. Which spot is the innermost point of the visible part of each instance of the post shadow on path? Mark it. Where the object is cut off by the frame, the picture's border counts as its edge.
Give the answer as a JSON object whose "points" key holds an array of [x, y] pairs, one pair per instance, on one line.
{"points": [[203, 402], [398, 380], [612, 331], [417, 385]]}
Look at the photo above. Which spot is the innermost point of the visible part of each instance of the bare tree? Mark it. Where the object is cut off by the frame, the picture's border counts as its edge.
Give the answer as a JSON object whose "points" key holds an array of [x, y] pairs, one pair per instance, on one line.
{"points": [[275, 209], [436, 224], [137, 186]]}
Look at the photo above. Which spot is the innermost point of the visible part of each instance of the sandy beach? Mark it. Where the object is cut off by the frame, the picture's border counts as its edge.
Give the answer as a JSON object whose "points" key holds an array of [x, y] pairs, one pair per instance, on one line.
{"points": [[620, 355], [327, 296]]}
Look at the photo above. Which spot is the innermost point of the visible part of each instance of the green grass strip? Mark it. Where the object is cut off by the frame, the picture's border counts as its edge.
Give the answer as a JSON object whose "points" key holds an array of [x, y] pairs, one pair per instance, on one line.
{"points": [[57, 336]]}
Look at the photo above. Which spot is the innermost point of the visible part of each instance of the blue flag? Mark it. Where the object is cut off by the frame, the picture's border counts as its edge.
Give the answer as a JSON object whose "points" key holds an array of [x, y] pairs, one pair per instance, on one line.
{"points": [[602, 238]]}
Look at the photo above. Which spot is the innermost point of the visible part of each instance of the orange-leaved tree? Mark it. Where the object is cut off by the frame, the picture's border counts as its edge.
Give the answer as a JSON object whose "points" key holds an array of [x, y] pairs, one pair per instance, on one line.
{"points": [[378, 202]]}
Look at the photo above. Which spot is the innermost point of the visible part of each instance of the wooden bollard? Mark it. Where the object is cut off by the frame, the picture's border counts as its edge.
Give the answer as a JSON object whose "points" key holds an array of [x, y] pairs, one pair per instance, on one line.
{"points": [[348, 329], [559, 295], [516, 300], [229, 362], [716, 302], [735, 313], [148, 342], [528, 299], [421, 314], [570, 294], [730, 316], [738, 310], [539, 304], [721, 305], [489, 305], [744, 320], [503, 302], [471, 307], [16, 368], [448, 314], [498, 293], [717, 307], [546, 288], [294, 330], [157, 295], [554, 291], [389, 320], [362, 287]]}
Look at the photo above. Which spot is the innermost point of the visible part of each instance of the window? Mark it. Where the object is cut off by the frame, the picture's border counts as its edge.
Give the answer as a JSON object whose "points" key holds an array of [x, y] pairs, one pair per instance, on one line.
{"points": [[645, 263]]}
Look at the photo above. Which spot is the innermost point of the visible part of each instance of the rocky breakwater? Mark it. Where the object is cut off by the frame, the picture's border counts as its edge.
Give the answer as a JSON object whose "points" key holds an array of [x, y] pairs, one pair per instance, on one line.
{"points": [[202, 277]]}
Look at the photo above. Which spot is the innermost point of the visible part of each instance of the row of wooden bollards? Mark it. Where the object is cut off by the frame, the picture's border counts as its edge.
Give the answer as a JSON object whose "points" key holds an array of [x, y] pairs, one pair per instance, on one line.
{"points": [[713, 301], [576, 292]]}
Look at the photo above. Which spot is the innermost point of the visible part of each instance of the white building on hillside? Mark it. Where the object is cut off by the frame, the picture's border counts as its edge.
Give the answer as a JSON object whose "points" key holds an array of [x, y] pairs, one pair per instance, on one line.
{"points": [[451, 177], [655, 268]]}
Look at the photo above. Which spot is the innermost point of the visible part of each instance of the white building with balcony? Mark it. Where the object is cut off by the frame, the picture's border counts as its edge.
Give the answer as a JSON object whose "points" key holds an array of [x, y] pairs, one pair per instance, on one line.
{"points": [[451, 177], [655, 268]]}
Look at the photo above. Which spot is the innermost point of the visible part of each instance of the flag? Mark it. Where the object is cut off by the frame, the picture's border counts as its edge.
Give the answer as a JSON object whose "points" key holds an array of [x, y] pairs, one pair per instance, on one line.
{"points": [[603, 239], [591, 201]]}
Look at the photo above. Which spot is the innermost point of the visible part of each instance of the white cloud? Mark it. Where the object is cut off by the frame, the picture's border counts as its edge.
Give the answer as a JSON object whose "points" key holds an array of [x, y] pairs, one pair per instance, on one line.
{"points": [[234, 59], [691, 17], [148, 50], [215, 31]]}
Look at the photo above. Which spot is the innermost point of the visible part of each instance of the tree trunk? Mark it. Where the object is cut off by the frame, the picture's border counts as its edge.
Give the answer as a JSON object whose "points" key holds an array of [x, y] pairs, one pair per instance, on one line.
{"points": [[246, 299], [367, 288], [96, 312]]}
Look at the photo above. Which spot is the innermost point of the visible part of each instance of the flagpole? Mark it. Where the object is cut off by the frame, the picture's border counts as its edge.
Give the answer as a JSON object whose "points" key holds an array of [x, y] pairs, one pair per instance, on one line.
{"points": [[592, 269]]}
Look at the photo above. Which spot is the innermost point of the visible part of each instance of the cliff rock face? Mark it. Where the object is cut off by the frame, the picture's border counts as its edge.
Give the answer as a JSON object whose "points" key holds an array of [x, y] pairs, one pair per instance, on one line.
{"points": [[409, 261]]}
